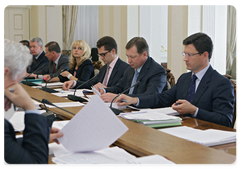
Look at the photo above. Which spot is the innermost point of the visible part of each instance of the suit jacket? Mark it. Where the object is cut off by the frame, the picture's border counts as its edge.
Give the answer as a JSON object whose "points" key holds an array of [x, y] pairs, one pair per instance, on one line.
{"points": [[214, 97], [84, 72], [116, 74], [152, 77], [33, 147], [41, 63], [63, 64]]}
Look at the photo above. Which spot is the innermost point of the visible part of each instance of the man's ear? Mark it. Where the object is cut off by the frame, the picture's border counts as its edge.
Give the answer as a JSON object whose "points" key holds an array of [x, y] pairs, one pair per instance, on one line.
{"points": [[6, 71]]}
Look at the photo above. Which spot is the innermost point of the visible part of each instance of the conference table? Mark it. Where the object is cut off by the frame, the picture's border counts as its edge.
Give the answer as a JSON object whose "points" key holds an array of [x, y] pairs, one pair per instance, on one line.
{"points": [[141, 140]]}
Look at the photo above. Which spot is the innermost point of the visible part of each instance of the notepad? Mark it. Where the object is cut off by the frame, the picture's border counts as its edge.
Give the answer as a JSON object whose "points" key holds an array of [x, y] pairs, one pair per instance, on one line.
{"points": [[210, 137]]}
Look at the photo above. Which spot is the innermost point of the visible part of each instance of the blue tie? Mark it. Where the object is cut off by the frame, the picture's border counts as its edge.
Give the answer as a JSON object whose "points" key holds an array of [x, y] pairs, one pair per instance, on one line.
{"points": [[191, 91], [134, 80]]}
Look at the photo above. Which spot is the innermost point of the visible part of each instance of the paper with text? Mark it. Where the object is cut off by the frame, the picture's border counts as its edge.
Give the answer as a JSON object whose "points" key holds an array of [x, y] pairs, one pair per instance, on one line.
{"points": [[93, 128]]}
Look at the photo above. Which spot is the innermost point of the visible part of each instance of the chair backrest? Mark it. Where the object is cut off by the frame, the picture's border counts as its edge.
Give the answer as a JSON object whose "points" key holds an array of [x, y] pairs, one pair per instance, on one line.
{"points": [[170, 78], [234, 87]]}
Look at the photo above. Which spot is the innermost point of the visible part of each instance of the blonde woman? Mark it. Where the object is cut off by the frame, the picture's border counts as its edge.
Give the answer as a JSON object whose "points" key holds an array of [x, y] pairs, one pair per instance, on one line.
{"points": [[81, 67]]}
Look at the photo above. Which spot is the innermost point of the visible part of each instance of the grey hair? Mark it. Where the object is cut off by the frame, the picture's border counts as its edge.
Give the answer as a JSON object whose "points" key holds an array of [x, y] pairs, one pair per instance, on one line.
{"points": [[16, 57], [38, 40]]}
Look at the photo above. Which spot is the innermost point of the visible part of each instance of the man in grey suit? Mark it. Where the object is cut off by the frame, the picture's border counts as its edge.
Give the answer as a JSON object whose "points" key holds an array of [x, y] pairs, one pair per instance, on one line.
{"points": [[57, 62], [209, 96], [150, 75]]}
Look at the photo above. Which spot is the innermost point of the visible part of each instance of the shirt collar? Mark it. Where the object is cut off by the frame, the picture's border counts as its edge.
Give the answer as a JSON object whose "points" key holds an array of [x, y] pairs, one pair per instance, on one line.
{"points": [[56, 62], [201, 73], [112, 64], [38, 55]]}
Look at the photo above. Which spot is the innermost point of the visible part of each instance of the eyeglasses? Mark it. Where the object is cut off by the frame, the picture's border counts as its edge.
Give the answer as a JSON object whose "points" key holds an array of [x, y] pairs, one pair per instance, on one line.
{"points": [[103, 54], [189, 54]]}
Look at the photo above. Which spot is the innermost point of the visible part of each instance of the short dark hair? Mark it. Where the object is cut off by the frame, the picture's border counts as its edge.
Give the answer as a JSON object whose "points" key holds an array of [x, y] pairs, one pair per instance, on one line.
{"points": [[202, 42], [108, 42], [53, 46], [25, 42], [140, 43]]}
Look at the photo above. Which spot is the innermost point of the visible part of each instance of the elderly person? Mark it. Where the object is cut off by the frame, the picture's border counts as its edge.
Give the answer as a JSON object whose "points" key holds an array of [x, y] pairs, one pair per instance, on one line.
{"points": [[81, 67], [33, 147]]}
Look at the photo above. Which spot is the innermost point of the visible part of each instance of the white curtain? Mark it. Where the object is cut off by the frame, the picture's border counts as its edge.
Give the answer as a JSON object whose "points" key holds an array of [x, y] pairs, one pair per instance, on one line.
{"points": [[231, 36], [87, 25], [69, 23]]}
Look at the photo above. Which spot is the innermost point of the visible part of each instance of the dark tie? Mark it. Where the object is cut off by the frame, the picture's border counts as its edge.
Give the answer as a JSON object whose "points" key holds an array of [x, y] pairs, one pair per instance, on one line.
{"points": [[105, 80], [54, 67], [191, 91], [134, 80]]}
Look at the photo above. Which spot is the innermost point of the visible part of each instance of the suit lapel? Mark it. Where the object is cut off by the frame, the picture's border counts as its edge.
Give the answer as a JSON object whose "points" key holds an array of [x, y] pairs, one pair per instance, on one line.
{"points": [[202, 87], [144, 69]]}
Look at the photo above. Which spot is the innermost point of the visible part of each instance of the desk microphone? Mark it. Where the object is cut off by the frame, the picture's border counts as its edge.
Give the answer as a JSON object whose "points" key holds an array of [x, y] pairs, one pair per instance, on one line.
{"points": [[28, 83], [78, 98], [48, 102], [117, 111], [48, 89]]}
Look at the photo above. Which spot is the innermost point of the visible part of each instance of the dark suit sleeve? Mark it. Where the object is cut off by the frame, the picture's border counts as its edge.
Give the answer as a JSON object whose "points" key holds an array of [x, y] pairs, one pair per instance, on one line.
{"points": [[86, 71], [221, 111], [34, 145]]}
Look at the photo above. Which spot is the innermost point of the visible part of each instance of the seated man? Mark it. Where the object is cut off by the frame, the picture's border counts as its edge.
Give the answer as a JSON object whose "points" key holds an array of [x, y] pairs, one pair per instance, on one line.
{"points": [[150, 75], [57, 62], [40, 61], [110, 73], [33, 146], [202, 93]]}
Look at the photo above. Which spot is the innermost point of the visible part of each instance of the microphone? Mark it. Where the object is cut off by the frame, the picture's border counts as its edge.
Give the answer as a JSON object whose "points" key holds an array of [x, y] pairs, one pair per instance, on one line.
{"points": [[48, 102], [48, 89], [78, 98], [117, 111], [28, 83]]}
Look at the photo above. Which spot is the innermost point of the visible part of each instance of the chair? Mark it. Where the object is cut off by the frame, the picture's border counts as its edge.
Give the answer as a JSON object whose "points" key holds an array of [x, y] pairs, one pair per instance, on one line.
{"points": [[234, 105], [170, 78]]}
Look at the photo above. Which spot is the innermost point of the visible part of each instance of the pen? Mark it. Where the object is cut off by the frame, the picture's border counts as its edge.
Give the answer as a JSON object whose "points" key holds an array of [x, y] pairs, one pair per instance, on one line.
{"points": [[124, 101], [12, 91]]}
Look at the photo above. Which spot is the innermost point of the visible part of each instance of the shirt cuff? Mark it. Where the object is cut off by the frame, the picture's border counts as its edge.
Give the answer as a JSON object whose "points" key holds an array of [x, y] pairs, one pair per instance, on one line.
{"points": [[137, 102], [74, 84], [195, 114], [32, 112], [40, 76]]}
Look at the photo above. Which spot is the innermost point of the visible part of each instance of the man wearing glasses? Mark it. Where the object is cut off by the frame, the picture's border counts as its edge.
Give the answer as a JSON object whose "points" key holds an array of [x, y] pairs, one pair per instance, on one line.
{"points": [[202, 93], [110, 73]]}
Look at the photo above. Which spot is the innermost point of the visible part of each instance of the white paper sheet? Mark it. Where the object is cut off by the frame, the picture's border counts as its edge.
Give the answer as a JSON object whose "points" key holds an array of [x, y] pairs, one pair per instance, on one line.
{"points": [[66, 104], [210, 137], [152, 159], [93, 128]]}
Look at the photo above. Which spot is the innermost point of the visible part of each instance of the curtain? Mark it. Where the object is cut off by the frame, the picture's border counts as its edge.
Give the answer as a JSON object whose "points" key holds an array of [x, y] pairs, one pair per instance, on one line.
{"points": [[87, 25], [69, 23], [231, 36]]}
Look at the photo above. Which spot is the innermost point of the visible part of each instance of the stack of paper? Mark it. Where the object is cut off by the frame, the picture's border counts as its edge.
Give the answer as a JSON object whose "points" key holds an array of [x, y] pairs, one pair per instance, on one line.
{"points": [[210, 137], [114, 155], [153, 119]]}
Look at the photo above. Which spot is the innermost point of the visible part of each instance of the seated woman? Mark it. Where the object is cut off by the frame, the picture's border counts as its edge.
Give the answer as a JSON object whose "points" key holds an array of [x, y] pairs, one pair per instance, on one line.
{"points": [[81, 67]]}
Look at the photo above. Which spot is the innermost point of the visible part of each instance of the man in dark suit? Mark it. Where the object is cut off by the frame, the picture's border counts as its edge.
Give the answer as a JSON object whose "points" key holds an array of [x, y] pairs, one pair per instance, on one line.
{"points": [[39, 60], [57, 62], [33, 147], [209, 96], [151, 75], [110, 73]]}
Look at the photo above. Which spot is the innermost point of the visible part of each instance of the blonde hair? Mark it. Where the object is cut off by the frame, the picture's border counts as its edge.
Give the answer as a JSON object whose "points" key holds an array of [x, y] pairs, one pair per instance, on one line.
{"points": [[86, 53]]}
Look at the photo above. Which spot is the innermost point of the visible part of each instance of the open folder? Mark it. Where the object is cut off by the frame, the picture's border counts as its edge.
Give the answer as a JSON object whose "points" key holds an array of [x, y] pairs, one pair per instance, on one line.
{"points": [[93, 128]]}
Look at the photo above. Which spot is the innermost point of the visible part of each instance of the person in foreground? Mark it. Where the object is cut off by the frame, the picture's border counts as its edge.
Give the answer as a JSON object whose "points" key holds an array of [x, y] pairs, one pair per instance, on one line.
{"points": [[209, 96], [33, 147]]}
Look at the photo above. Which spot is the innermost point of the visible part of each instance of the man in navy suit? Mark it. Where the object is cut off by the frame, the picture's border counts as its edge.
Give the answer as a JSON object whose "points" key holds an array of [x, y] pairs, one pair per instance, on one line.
{"points": [[57, 62], [210, 98], [33, 146], [39, 60], [151, 76], [110, 73]]}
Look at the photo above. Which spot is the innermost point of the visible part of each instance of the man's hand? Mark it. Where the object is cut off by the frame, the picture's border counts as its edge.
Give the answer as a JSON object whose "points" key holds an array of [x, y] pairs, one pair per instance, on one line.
{"points": [[184, 107], [108, 97], [124, 100], [19, 97], [54, 134]]}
